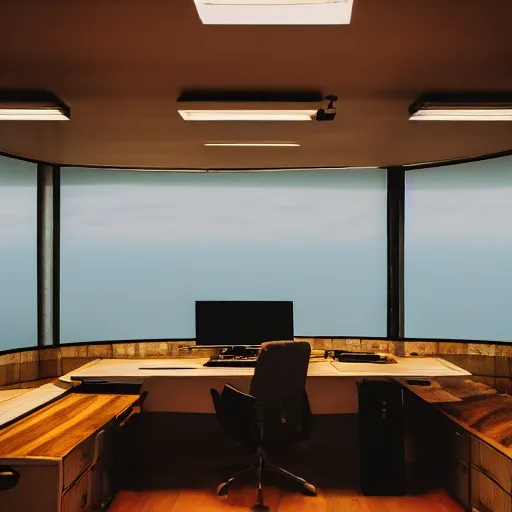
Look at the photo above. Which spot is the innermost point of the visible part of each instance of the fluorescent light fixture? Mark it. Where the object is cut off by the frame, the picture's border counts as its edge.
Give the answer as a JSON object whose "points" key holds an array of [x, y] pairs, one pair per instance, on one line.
{"points": [[248, 115], [463, 115], [274, 12], [31, 105], [462, 107], [253, 144], [31, 114]]}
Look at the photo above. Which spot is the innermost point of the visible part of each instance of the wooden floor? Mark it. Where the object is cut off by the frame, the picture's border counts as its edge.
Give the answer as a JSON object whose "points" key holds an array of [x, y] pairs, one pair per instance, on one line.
{"points": [[242, 499]]}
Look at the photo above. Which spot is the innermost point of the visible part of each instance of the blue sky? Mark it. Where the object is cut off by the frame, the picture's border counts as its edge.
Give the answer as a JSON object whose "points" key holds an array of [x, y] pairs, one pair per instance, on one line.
{"points": [[242, 210], [458, 251], [18, 265], [152, 244]]}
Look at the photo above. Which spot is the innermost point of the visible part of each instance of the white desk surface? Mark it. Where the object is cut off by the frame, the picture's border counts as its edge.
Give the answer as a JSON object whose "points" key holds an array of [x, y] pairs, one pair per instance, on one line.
{"points": [[135, 371], [18, 405], [328, 396]]}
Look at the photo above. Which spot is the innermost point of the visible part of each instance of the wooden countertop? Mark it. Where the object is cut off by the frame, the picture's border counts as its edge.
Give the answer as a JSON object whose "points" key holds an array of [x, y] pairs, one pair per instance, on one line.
{"points": [[479, 409], [56, 429]]}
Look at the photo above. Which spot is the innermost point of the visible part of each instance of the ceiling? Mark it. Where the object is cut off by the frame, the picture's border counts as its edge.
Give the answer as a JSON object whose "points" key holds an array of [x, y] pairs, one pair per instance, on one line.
{"points": [[120, 65]]}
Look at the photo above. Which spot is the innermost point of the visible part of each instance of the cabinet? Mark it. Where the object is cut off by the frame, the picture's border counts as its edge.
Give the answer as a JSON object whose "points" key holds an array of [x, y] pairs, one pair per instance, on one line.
{"points": [[487, 495], [58, 459], [491, 478]]}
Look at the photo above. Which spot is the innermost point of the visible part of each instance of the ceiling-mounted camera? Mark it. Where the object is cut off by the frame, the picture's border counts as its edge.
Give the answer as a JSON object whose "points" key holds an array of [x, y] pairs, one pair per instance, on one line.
{"points": [[329, 113]]}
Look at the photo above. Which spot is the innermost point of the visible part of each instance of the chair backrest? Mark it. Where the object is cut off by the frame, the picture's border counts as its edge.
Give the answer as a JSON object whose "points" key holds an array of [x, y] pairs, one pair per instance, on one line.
{"points": [[279, 384], [281, 370]]}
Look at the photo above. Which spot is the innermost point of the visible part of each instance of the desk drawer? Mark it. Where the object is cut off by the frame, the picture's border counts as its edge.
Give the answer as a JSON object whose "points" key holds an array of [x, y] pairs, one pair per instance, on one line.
{"points": [[77, 461], [458, 440], [488, 496], [87, 453], [78, 497], [493, 463]]}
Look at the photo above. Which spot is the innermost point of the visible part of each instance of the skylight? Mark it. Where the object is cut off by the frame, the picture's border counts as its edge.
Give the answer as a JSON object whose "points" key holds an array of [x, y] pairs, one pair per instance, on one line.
{"points": [[274, 12]]}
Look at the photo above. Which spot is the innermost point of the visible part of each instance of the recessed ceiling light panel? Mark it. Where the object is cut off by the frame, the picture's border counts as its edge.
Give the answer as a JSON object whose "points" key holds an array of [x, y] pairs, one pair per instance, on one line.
{"points": [[466, 114], [274, 12], [31, 114], [462, 107], [248, 115], [31, 105]]}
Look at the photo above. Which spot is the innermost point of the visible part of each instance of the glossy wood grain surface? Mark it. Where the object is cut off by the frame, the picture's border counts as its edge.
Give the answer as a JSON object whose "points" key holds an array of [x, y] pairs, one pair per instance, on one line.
{"points": [[57, 428], [478, 408], [241, 500]]}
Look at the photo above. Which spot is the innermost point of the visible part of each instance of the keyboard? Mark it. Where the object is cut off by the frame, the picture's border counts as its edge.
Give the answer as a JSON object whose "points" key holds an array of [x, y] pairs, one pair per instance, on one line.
{"points": [[359, 357], [247, 362]]}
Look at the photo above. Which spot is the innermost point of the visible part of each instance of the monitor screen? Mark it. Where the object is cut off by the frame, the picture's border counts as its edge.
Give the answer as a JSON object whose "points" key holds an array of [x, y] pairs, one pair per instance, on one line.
{"points": [[243, 322]]}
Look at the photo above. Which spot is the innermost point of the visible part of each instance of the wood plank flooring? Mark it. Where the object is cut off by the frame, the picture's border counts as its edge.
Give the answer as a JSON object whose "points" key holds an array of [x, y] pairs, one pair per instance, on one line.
{"points": [[241, 500], [184, 459]]}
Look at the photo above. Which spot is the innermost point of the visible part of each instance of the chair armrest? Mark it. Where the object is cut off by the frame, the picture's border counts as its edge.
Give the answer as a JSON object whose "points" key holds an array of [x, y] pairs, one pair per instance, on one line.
{"points": [[231, 390]]}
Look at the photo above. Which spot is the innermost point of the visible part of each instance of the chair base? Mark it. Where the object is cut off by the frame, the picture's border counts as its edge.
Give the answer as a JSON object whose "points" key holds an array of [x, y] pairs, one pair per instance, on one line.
{"points": [[307, 488], [260, 508]]}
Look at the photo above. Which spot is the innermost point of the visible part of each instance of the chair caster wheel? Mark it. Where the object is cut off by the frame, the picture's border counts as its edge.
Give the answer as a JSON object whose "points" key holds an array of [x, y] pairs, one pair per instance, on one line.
{"points": [[222, 490], [309, 489]]}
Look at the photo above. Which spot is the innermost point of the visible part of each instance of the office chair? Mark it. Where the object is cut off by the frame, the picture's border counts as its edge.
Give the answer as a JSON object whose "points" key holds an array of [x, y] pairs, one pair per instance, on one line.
{"points": [[274, 413]]}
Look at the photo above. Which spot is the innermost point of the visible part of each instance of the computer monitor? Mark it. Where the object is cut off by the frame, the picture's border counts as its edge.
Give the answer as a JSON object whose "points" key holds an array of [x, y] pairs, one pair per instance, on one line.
{"points": [[234, 323]]}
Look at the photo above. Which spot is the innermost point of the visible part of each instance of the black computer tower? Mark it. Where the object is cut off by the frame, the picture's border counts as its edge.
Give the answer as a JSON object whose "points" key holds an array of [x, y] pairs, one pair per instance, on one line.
{"points": [[381, 439]]}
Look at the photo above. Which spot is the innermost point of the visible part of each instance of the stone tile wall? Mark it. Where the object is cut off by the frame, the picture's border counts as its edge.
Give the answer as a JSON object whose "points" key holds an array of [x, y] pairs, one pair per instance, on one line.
{"points": [[52, 362], [491, 363], [351, 344]]}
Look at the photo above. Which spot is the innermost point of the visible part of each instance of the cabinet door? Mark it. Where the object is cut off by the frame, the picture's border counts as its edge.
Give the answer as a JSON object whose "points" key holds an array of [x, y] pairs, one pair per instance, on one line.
{"points": [[457, 479], [29, 485], [457, 440]]}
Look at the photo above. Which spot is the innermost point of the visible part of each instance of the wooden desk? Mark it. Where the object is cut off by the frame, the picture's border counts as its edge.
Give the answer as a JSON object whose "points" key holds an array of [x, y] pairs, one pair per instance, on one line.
{"points": [[480, 410], [184, 386], [54, 449], [477, 436]]}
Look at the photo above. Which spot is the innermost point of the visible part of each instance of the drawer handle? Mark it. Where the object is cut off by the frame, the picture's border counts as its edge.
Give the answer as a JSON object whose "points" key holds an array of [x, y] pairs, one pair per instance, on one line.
{"points": [[83, 499], [9, 478]]}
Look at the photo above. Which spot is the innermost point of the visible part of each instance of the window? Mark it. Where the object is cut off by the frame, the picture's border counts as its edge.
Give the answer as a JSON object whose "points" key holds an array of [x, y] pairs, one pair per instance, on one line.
{"points": [[18, 249], [139, 248], [458, 251]]}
